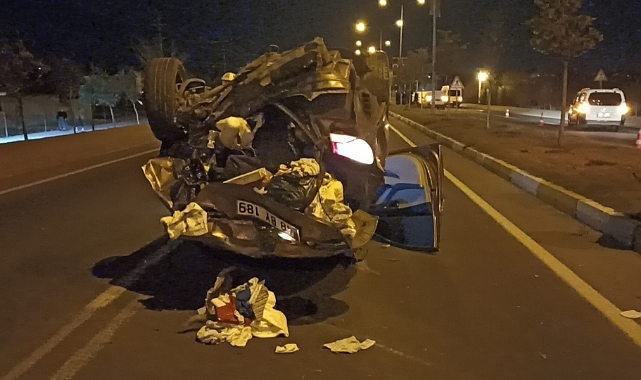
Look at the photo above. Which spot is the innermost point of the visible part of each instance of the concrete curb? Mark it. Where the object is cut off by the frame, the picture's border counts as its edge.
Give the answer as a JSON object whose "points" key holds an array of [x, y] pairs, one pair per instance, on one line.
{"points": [[625, 231]]}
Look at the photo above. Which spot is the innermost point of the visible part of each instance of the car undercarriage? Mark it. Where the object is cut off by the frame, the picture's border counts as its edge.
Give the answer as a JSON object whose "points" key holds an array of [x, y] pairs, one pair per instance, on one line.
{"points": [[284, 158]]}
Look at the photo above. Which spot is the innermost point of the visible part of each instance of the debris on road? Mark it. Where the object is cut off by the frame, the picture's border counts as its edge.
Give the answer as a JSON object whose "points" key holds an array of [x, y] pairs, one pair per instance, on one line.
{"points": [[160, 174], [365, 225], [349, 345], [289, 348], [214, 333], [242, 313], [192, 221], [632, 314]]}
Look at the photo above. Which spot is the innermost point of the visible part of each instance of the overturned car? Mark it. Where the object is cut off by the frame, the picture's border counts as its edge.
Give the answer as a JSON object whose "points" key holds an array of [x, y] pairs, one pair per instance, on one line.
{"points": [[289, 157]]}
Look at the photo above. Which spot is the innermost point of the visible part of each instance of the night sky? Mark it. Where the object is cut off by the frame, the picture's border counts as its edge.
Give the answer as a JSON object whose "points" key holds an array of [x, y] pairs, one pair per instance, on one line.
{"points": [[233, 32]]}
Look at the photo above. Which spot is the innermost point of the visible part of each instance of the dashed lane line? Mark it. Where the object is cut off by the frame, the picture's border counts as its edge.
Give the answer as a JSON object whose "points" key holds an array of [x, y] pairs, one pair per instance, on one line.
{"points": [[83, 355], [607, 308], [100, 302]]}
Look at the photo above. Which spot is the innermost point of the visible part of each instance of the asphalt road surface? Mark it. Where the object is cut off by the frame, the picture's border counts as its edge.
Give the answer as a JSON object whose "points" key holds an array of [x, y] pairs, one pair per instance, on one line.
{"points": [[89, 289]]}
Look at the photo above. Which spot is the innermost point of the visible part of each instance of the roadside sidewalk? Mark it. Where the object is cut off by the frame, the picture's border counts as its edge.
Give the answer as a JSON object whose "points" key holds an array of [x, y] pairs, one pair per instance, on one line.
{"points": [[70, 131], [606, 172]]}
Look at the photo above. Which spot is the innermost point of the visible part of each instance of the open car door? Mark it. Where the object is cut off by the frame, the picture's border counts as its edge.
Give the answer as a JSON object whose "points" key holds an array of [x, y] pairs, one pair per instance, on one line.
{"points": [[409, 206]]}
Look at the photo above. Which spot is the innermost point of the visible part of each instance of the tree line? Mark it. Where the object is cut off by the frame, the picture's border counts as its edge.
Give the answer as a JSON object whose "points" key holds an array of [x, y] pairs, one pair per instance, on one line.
{"points": [[558, 29], [23, 74]]}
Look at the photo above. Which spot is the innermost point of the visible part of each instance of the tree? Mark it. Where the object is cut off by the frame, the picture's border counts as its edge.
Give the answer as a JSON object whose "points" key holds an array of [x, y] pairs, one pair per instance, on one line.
{"points": [[492, 42], [450, 54], [65, 77], [129, 84], [415, 67], [19, 71], [146, 50], [560, 29], [100, 89]]}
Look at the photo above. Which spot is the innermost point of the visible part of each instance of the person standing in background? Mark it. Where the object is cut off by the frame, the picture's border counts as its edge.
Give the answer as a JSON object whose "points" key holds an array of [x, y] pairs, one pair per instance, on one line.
{"points": [[61, 117], [81, 119]]}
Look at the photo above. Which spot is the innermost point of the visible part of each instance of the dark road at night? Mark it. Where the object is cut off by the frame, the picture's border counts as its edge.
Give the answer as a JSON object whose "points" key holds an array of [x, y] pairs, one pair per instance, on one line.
{"points": [[90, 289]]}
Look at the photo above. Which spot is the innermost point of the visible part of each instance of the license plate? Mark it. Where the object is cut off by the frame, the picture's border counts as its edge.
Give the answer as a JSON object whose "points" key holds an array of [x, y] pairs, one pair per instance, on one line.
{"points": [[258, 212], [603, 114]]}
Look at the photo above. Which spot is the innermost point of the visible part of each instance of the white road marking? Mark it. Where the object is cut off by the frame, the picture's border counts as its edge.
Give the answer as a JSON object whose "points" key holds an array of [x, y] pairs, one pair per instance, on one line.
{"points": [[83, 355], [404, 355], [607, 308], [40, 182], [101, 301]]}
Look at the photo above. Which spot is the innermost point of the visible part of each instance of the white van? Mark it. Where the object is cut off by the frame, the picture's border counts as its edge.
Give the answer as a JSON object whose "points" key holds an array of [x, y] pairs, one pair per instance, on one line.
{"points": [[598, 107]]}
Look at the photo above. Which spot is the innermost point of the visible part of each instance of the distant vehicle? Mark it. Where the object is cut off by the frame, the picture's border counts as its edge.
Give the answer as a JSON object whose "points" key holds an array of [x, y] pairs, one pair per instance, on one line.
{"points": [[598, 107], [454, 96], [441, 101]]}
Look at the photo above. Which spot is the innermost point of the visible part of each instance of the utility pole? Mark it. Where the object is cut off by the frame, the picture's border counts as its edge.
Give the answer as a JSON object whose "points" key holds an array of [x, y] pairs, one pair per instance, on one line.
{"points": [[433, 54], [489, 102], [158, 25], [400, 45]]}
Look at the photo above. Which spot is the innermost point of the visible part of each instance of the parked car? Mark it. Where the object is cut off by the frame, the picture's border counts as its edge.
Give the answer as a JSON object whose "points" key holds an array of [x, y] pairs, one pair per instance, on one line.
{"points": [[440, 102], [289, 157], [598, 107]]}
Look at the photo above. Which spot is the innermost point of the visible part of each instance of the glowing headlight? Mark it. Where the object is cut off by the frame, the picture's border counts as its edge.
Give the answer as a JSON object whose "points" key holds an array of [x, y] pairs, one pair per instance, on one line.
{"points": [[350, 147], [445, 98], [428, 98], [623, 108], [285, 236], [584, 108], [460, 98]]}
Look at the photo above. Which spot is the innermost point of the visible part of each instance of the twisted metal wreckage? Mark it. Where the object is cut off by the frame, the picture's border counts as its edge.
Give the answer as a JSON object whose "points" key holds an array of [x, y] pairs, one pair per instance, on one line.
{"points": [[287, 158]]}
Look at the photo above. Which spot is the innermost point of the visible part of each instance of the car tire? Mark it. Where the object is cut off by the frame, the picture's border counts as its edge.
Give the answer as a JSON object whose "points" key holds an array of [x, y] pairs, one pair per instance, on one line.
{"points": [[162, 78]]}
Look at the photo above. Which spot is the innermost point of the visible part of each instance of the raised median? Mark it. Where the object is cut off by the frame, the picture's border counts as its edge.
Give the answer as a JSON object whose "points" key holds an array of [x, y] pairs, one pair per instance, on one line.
{"points": [[596, 182]]}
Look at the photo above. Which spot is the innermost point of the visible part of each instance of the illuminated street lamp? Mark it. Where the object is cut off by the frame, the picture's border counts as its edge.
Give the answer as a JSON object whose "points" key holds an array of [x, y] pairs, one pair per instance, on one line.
{"points": [[371, 49], [388, 43], [359, 43], [400, 23], [357, 52], [482, 76], [361, 27]]}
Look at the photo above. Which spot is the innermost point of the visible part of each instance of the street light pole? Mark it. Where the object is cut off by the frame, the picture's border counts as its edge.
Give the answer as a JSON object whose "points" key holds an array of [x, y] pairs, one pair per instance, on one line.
{"points": [[380, 40], [433, 54], [400, 45], [482, 76]]}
